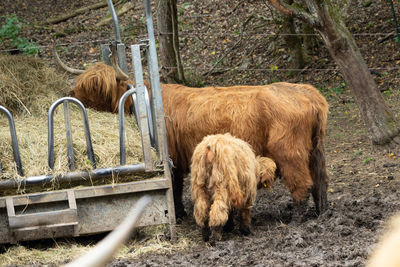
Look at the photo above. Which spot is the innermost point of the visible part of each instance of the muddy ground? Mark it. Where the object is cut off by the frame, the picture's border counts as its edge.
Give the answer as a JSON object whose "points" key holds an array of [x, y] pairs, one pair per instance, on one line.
{"points": [[364, 186]]}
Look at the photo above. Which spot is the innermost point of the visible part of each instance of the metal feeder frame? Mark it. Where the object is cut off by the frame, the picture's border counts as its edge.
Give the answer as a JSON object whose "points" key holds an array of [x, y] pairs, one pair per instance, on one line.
{"points": [[95, 209]]}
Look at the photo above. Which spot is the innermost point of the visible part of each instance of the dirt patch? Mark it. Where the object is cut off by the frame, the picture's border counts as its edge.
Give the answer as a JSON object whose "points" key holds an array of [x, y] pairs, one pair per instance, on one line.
{"points": [[364, 181]]}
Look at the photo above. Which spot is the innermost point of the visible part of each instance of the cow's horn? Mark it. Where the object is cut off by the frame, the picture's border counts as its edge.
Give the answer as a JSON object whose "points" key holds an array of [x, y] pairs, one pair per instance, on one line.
{"points": [[121, 75], [62, 64]]}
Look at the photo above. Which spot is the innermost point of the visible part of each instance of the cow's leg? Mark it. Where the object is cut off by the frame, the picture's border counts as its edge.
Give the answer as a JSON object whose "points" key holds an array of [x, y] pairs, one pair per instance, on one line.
{"points": [[177, 176], [297, 178], [320, 179]]}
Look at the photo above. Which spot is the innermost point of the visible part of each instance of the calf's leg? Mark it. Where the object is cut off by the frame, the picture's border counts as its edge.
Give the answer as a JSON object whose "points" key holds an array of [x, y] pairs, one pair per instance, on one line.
{"points": [[245, 221], [230, 225]]}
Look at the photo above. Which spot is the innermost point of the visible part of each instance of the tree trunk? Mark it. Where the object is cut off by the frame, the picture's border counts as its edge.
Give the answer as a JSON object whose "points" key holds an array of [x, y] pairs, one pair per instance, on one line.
{"points": [[293, 42], [326, 20], [167, 24], [343, 49]]}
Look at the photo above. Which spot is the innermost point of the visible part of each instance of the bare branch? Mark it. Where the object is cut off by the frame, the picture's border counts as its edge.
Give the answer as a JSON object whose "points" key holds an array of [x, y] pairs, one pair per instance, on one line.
{"points": [[295, 12], [75, 13]]}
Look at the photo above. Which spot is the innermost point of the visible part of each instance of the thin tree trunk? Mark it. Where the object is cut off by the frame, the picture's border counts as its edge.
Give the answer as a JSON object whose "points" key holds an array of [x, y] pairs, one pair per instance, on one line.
{"points": [[167, 24], [343, 49], [293, 42]]}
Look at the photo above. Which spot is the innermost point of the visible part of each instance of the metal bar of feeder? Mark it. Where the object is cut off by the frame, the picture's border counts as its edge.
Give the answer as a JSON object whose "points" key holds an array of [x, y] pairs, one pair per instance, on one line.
{"points": [[14, 141], [122, 62], [51, 130], [121, 116], [144, 120], [68, 132], [155, 86], [72, 176], [149, 114], [115, 20], [136, 111]]}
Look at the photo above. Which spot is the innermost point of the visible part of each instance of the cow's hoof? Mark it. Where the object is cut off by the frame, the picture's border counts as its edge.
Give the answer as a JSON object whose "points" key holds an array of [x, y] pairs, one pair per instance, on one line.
{"points": [[180, 214]]}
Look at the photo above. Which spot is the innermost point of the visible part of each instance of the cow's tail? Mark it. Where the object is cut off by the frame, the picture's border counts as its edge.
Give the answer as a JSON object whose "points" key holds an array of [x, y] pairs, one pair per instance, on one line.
{"points": [[317, 164]]}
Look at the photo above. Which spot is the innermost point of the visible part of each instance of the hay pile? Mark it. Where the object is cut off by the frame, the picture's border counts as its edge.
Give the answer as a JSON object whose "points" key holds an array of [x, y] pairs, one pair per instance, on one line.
{"points": [[28, 87]]}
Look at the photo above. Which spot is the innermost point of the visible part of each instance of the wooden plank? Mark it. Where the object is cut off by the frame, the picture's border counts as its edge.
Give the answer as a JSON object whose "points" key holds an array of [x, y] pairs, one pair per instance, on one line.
{"points": [[10, 206], [71, 199], [40, 198], [58, 217], [121, 188], [38, 228], [158, 183]]}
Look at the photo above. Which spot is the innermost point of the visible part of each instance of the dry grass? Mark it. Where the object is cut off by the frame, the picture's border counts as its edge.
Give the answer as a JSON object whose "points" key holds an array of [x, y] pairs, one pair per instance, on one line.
{"points": [[149, 239]]}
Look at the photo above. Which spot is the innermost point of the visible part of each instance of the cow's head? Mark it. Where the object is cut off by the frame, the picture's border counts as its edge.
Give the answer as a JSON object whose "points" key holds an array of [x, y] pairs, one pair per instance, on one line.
{"points": [[100, 86]]}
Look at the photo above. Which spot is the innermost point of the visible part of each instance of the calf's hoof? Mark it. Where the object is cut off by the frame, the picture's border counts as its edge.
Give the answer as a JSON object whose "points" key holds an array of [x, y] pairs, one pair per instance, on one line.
{"points": [[245, 230], [216, 234], [205, 232]]}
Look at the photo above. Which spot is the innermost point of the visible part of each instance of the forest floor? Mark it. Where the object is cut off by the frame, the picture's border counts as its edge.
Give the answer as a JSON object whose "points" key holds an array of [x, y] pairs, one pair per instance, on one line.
{"points": [[243, 39]]}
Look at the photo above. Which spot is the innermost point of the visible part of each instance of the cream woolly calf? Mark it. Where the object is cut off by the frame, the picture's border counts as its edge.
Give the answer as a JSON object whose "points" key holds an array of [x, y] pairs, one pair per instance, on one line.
{"points": [[225, 174]]}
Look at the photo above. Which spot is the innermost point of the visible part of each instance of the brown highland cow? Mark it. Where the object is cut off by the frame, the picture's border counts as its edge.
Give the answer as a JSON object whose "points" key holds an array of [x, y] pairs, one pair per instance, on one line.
{"points": [[225, 174], [283, 121]]}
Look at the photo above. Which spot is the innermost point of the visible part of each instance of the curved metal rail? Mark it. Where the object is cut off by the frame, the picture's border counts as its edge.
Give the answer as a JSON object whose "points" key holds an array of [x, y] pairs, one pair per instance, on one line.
{"points": [[115, 20], [89, 146], [14, 141]]}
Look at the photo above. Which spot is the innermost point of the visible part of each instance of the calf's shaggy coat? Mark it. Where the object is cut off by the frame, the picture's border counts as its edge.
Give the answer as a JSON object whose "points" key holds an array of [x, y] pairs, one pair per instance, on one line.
{"points": [[224, 176]]}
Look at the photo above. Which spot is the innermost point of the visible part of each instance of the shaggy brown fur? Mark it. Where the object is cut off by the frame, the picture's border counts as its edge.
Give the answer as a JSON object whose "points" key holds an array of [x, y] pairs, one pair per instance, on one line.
{"points": [[224, 175], [283, 121], [98, 88]]}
